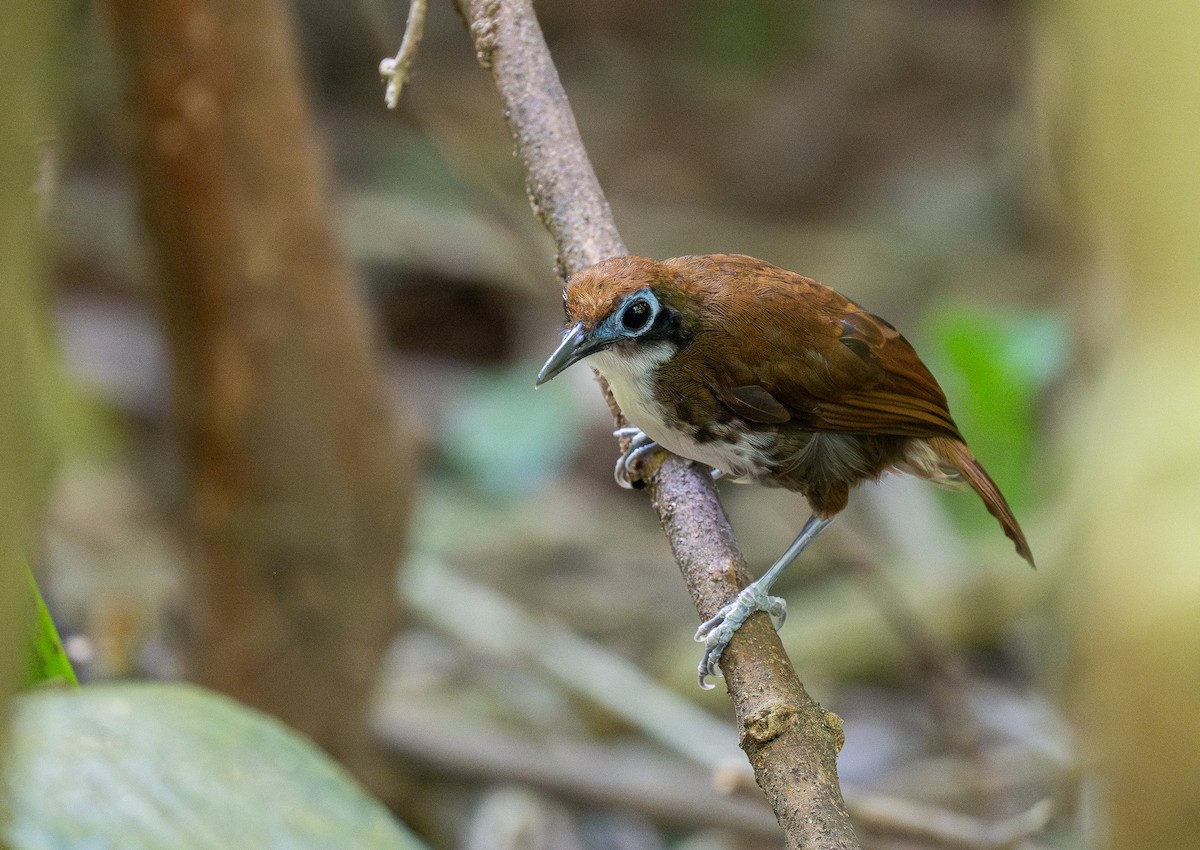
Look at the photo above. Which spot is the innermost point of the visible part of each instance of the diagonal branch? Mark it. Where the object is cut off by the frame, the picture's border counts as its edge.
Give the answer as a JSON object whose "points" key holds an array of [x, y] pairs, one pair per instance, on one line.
{"points": [[791, 741]]}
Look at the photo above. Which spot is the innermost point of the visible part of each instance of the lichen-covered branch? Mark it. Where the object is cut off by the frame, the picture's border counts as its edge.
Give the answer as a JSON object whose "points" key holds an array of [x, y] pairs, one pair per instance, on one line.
{"points": [[790, 740]]}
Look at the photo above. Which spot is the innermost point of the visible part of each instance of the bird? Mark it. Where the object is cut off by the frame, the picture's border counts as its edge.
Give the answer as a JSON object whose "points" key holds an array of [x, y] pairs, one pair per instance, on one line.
{"points": [[762, 374]]}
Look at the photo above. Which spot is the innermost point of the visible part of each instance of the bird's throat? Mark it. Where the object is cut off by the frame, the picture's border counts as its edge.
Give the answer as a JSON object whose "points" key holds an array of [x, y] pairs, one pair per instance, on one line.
{"points": [[630, 373]]}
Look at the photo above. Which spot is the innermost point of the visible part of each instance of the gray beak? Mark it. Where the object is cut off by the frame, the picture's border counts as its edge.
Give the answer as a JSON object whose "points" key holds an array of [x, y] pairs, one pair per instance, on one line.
{"points": [[574, 347]]}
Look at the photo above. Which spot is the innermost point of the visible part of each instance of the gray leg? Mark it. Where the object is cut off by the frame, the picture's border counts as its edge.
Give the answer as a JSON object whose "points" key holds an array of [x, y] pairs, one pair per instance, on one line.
{"points": [[639, 446], [715, 633]]}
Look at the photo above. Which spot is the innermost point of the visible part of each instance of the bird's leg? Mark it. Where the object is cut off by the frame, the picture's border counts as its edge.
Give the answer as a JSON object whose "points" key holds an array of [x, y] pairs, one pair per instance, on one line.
{"points": [[715, 633], [626, 471], [639, 446]]}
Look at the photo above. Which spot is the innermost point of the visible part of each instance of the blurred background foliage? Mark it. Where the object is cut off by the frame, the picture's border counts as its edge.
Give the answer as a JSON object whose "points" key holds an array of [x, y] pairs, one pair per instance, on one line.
{"points": [[953, 166]]}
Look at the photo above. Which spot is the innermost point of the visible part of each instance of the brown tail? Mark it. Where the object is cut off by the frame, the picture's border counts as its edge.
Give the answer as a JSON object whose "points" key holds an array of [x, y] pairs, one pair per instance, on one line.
{"points": [[960, 456]]}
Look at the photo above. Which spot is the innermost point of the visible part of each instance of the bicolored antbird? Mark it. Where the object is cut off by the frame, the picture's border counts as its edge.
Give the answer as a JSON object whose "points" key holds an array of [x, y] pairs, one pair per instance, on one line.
{"points": [[763, 375]]}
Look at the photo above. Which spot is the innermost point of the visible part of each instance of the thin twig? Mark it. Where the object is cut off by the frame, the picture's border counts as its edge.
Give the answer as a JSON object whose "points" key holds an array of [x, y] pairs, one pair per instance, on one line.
{"points": [[791, 741], [636, 778], [895, 816], [455, 146], [659, 786], [394, 69], [497, 626]]}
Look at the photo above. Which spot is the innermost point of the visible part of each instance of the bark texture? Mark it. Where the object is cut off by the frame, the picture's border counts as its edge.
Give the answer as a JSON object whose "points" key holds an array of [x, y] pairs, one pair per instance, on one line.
{"points": [[299, 481], [790, 740]]}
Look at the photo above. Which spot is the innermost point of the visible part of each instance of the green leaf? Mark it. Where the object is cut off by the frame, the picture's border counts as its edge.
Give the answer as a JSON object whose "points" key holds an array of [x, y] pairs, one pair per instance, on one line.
{"points": [[48, 662], [750, 35], [993, 368], [157, 766]]}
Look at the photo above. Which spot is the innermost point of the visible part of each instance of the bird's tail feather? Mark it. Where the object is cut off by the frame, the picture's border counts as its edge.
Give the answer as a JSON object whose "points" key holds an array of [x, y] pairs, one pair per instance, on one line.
{"points": [[957, 453]]}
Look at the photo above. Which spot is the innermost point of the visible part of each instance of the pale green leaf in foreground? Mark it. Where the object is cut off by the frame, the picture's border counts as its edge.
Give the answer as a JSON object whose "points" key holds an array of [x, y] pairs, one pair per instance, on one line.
{"points": [[175, 767]]}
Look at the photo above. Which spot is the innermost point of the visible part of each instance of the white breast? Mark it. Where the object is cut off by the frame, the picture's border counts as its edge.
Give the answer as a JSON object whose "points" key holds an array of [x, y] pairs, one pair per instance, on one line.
{"points": [[630, 376]]}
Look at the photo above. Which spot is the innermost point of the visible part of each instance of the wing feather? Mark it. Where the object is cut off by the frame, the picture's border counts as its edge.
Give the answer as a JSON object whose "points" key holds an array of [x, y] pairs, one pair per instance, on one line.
{"points": [[782, 349]]}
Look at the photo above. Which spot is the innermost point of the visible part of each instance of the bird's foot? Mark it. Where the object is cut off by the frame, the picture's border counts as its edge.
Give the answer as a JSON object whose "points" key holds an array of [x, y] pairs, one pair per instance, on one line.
{"points": [[627, 471], [716, 632]]}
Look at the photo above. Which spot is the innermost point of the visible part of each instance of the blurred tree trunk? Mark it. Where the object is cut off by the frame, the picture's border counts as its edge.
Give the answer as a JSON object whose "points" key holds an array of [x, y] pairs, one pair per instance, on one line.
{"points": [[28, 102], [1134, 599], [300, 481]]}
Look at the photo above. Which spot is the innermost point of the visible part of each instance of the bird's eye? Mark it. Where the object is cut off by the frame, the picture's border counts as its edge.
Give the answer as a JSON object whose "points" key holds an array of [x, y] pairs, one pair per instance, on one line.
{"points": [[636, 315]]}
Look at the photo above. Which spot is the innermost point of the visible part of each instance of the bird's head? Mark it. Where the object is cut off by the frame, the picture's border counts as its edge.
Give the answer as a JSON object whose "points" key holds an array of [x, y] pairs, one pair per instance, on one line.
{"points": [[623, 304]]}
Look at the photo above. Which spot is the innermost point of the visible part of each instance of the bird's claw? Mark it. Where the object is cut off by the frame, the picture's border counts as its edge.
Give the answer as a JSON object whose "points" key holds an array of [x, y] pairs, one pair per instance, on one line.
{"points": [[627, 472], [716, 632]]}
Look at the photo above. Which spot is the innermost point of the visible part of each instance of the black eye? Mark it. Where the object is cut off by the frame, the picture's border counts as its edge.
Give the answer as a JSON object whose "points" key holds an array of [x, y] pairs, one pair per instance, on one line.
{"points": [[636, 315]]}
